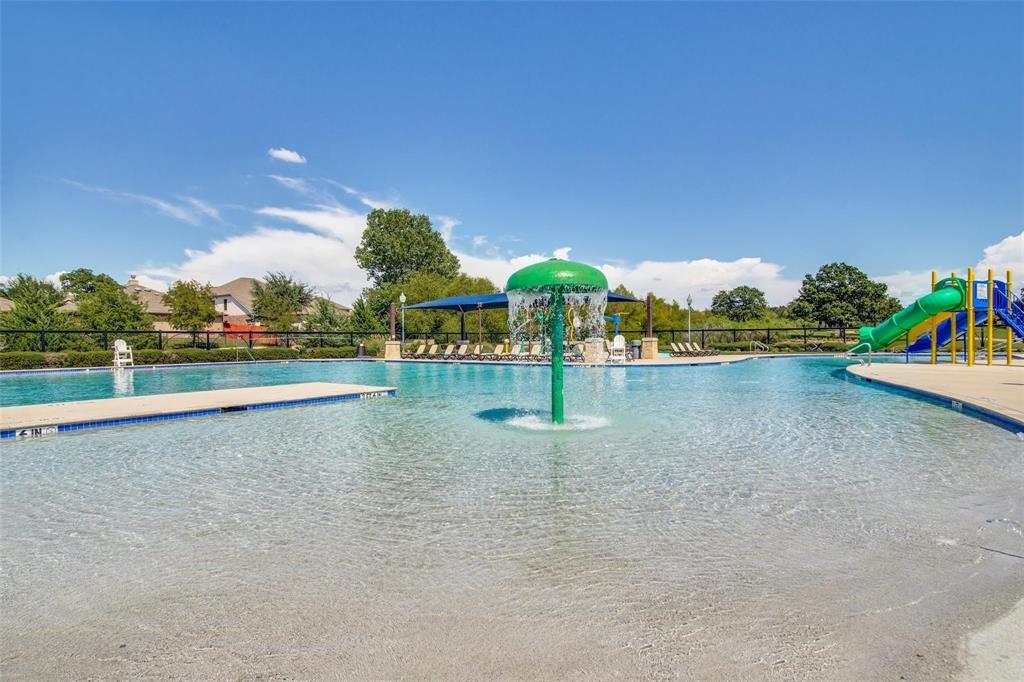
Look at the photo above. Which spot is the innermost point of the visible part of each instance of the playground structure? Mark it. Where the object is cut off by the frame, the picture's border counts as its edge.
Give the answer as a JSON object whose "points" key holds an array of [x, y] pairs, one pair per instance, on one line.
{"points": [[954, 308]]}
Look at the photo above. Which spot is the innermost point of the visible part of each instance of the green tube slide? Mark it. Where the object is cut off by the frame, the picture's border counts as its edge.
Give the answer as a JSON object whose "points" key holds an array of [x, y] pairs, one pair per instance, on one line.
{"points": [[950, 295]]}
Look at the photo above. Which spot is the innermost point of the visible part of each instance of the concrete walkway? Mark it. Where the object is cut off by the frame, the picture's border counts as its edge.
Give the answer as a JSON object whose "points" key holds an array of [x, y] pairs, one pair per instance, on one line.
{"points": [[997, 389], [152, 407]]}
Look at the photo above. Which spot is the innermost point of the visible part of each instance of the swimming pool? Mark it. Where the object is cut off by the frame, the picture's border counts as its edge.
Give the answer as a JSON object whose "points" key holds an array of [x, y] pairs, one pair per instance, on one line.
{"points": [[765, 518]]}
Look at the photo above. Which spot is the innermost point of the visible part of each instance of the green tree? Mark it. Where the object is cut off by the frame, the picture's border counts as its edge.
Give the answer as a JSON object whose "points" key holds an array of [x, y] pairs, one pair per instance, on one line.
{"points": [[191, 305], [280, 300], [84, 281], [364, 319], [740, 304], [325, 317], [842, 295], [396, 244], [36, 307], [111, 307]]}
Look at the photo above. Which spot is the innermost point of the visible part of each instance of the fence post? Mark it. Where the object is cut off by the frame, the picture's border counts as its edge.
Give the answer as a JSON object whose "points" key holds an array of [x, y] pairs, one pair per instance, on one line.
{"points": [[769, 337], [734, 339], [106, 341], [702, 338], [805, 336], [250, 338], [42, 341], [160, 340], [207, 339]]}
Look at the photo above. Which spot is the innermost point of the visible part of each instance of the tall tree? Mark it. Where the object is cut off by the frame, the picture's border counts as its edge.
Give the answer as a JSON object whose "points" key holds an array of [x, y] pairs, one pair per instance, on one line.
{"points": [[397, 243], [280, 300], [191, 305], [840, 295], [36, 307], [740, 304], [111, 307], [84, 281]]}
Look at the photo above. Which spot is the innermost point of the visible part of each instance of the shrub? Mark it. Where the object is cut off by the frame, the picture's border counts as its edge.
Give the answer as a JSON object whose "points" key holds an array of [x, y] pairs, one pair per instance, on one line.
{"points": [[327, 352], [22, 360], [88, 358]]}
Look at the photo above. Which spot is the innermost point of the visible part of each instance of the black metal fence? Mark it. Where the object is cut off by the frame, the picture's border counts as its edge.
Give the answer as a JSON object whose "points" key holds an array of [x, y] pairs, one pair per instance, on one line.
{"points": [[54, 340]]}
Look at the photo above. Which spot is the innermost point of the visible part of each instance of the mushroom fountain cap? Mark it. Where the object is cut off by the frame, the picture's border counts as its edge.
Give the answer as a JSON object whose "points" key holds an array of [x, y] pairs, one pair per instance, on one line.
{"points": [[558, 274]]}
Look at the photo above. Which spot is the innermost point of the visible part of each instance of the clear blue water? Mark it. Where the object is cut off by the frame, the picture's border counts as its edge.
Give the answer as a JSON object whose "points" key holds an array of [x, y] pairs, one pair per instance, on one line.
{"points": [[766, 518]]}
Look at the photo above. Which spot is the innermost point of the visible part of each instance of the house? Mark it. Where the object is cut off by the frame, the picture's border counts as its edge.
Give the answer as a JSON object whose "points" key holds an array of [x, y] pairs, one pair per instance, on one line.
{"points": [[153, 301], [233, 301]]}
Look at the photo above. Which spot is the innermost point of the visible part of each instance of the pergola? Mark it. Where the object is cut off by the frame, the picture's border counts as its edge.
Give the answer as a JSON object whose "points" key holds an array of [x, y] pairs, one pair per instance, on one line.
{"points": [[466, 304]]}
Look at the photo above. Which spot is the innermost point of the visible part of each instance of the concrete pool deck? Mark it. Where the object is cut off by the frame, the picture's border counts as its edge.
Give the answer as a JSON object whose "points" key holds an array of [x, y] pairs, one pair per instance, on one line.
{"points": [[36, 420], [659, 361], [994, 390]]}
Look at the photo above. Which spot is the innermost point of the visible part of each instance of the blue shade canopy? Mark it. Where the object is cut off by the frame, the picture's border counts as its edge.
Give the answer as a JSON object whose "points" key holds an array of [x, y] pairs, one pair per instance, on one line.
{"points": [[465, 304]]}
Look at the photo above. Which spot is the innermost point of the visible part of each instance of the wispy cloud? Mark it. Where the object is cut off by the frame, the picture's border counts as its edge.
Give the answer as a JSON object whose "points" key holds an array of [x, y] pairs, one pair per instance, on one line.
{"points": [[446, 226], [286, 155], [363, 197], [295, 184], [190, 211]]}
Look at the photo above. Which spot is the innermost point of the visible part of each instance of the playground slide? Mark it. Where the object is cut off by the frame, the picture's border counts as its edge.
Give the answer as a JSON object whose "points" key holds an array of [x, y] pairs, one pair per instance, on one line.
{"points": [[950, 295], [923, 342]]}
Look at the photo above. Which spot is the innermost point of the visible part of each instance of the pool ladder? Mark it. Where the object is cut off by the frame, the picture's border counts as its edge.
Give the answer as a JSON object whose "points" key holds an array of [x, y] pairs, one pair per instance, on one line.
{"points": [[758, 346], [247, 352]]}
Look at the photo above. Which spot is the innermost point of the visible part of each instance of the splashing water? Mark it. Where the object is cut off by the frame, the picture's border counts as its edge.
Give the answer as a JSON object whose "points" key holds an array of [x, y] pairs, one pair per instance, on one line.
{"points": [[528, 310]]}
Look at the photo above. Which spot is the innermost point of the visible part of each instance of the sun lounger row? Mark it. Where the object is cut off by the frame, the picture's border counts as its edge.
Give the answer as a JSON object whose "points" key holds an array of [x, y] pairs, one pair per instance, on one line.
{"points": [[480, 352], [688, 350]]}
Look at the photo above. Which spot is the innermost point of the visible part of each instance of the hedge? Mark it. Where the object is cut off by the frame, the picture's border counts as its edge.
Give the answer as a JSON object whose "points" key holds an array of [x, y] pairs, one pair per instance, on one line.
{"points": [[36, 360]]}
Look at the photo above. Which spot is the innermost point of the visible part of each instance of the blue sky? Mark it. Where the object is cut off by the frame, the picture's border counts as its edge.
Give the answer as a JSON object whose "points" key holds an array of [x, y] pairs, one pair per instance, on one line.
{"points": [[683, 147]]}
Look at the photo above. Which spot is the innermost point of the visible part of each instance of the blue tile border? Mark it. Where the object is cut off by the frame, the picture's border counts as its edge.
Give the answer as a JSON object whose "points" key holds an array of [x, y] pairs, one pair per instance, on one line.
{"points": [[33, 432], [977, 411]]}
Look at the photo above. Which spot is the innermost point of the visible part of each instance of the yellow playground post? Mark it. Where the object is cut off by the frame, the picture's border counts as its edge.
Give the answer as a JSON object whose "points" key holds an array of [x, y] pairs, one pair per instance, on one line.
{"points": [[989, 323], [1009, 332], [934, 330], [969, 336], [952, 330]]}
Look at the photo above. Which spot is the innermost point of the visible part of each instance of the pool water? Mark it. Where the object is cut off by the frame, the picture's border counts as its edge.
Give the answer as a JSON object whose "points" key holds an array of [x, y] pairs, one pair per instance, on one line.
{"points": [[768, 519]]}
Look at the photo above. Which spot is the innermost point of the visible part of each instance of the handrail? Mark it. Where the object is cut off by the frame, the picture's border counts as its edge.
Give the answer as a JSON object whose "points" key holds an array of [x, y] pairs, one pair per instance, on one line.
{"points": [[757, 345]]}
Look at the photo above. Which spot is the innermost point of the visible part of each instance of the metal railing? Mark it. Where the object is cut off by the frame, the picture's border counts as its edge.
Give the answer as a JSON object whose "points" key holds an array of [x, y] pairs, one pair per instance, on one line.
{"points": [[53, 340]]}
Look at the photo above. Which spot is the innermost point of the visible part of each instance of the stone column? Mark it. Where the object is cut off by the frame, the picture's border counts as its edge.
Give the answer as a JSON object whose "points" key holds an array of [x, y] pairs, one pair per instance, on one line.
{"points": [[649, 349], [392, 350], [594, 352]]}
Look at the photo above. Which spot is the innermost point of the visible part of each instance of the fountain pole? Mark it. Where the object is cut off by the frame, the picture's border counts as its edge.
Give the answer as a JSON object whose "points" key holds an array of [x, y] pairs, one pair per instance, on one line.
{"points": [[557, 359]]}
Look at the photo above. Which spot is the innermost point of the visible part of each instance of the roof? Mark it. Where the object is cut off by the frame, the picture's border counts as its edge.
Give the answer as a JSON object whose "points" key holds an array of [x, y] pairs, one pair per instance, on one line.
{"points": [[487, 301], [240, 289], [152, 299]]}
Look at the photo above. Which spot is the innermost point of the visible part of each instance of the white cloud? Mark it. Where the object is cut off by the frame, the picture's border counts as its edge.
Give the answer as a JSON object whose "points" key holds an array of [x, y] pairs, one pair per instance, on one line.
{"points": [[286, 155], [479, 241], [1007, 254], [203, 207], [446, 226], [295, 184], [323, 261], [363, 197], [190, 212]]}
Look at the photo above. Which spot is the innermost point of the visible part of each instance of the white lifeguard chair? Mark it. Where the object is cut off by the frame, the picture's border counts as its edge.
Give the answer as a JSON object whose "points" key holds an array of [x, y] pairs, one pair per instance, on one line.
{"points": [[617, 353], [123, 354]]}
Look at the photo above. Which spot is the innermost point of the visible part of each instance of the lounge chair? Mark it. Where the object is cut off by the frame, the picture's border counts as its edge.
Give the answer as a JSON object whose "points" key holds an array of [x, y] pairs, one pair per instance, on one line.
{"points": [[419, 352], [461, 353], [534, 355], [521, 353], [476, 353], [497, 354], [432, 353], [617, 354], [695, 350], [677, 351], [448, 350], [123, 354]]}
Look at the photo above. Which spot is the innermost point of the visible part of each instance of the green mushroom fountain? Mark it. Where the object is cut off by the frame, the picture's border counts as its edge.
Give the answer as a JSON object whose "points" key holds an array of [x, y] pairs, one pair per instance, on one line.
{"points": [[541, 293]]}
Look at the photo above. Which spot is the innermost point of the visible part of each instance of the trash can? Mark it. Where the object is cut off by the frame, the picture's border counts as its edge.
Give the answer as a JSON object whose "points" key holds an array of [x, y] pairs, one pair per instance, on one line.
{"points": [[637, 345], [360, 350]]}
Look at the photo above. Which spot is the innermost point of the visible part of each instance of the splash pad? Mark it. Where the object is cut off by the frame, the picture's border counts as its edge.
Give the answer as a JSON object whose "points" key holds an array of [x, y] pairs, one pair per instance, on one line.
{"points": [[540, 295]]}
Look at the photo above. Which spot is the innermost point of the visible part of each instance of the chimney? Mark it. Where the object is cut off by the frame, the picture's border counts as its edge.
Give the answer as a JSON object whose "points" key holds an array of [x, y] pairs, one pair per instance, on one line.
{"points": [[132, 281]]}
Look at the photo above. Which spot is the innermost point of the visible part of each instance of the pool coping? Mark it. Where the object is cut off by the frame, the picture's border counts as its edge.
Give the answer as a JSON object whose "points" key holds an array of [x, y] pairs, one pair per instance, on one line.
{"points": [[33, 421], [174, 365], [947, 400]]}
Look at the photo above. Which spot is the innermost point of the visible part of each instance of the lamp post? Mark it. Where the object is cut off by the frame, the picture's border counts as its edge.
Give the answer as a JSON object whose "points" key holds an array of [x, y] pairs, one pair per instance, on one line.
{"points": [[689, 309], [401, 299]]}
